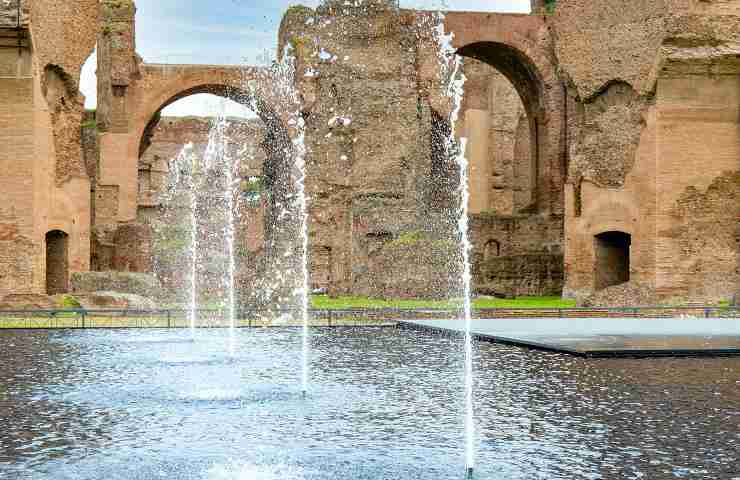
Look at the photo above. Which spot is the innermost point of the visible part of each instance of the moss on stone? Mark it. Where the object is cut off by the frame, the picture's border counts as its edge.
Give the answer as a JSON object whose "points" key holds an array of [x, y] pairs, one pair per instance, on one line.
{"points": [[413, 237], [69, 301], [302, 45], [299, 10]]}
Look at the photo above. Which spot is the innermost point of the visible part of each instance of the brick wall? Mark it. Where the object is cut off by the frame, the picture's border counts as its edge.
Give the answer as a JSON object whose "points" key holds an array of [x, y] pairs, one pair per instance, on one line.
{"points": [[17, 249]]}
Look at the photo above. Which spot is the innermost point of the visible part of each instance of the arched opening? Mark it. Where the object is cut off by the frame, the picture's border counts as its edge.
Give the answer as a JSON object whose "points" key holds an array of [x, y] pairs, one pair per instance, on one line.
{"points": [[612, 252], [507, 132], [491, 250], [321, 270], [188, 120], [57, 262], [257, 145]]}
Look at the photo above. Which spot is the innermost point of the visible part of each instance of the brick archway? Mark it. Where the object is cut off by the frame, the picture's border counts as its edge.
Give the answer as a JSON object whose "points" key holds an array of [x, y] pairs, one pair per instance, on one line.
{"points": [[519, 47], [134, 108], [162, 85]]}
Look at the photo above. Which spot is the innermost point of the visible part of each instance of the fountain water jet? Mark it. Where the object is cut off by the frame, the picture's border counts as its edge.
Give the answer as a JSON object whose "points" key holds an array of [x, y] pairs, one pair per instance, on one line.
{"points": [[451, 69], [300, 164], [218, 160], [193, 311], [282, 81], [182, 177]]}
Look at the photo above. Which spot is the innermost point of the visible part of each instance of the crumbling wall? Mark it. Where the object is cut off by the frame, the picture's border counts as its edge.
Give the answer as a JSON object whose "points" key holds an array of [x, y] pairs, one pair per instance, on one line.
{"points": [[653, 112], [613, 120], [376, 117], [133, 248], [17, 254], [608, 54], [18, 249], [64, 36], [520, 275], [413, 265], [705, 232], [41, 169], [517, 255], [117, 63], [368, 129]]}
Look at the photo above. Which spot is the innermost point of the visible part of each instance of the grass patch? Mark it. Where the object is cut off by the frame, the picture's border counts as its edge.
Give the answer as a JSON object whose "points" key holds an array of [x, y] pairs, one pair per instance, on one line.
{"points": [[325, 303]]}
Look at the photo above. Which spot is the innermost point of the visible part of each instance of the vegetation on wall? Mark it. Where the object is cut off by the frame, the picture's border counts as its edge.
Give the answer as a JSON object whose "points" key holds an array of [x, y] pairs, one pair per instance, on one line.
{"points": [[68, 301]]}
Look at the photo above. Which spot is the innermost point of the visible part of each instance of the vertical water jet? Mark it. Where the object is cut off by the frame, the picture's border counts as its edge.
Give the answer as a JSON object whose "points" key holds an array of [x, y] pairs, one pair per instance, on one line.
{"points": [[451, 71]]}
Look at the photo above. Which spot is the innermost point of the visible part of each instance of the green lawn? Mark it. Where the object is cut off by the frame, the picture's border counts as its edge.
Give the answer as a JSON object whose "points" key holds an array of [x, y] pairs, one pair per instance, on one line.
{"points": [[324, 302]]}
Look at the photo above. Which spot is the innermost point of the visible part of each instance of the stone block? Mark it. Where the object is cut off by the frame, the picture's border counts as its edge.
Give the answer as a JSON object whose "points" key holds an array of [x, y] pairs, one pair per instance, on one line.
{"points": [[122, 282]]}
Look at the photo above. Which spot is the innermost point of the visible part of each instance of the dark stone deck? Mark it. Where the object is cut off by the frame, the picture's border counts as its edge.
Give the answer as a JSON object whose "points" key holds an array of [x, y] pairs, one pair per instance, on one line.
{"points": [[604, 337]]}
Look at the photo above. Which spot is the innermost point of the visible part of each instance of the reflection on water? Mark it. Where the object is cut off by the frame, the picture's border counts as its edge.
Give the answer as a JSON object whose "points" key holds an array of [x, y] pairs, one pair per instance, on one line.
{"points": [[386, 405]]}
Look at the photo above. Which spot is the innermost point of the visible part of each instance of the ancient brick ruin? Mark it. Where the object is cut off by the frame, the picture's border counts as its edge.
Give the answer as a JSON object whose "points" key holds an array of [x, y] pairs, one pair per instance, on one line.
{"points": [[604, 142]]}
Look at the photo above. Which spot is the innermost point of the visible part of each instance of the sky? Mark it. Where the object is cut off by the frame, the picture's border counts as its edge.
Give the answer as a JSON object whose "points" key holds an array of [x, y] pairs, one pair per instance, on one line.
{"points": [[232, 32]]}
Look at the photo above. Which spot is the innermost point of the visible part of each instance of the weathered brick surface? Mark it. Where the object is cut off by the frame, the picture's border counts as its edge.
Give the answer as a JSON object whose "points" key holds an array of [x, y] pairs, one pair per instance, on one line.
{"points": [[123, 282], [624, 118], [653, 130], [44, 183]]}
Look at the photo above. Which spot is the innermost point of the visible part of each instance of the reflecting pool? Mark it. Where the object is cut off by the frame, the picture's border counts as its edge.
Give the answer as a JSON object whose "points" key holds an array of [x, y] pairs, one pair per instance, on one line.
{"points": [[384, 404]]}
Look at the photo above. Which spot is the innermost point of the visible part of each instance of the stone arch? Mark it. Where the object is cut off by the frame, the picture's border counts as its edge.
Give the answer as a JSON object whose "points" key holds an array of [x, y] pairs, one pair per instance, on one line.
{"points": [[262, 91], [157, 86], [519, 47], [57, 262], [525, 77], [491, 249], [163, 85]]}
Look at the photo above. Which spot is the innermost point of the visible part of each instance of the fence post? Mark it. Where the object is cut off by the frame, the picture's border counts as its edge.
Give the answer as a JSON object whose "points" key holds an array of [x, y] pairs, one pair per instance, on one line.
{"points": [[169, 318], [84, 315]]}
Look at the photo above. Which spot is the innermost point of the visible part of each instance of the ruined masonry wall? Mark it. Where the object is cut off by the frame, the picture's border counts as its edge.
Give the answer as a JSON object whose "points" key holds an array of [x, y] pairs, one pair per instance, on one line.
{"points": [[655, 148], [45, 186]]}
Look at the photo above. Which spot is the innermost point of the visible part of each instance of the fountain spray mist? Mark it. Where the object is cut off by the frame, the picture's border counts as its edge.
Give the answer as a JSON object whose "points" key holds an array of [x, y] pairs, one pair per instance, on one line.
{"points": [[281, 82], [451, 70], [219, 160], [300, 208], [230, 231], [300, 163], [187, 154]]}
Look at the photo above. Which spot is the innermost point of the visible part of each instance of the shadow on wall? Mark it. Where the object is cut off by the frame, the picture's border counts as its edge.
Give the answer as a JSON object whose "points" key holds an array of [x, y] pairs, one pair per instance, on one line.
{"points": [[612, 251]]}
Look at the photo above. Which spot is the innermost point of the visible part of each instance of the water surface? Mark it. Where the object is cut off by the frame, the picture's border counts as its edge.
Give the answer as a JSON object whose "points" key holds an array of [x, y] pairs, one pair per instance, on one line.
{"points": [[384, 404]]}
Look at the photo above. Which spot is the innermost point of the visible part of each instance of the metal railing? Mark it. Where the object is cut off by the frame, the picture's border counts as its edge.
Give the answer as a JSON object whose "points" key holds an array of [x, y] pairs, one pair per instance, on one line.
{"points": [[179, 318], [210, 318]]}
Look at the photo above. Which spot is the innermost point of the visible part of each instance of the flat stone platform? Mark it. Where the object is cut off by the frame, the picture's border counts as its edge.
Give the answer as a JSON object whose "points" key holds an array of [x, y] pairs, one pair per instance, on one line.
{"points": [[604, 337]]}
